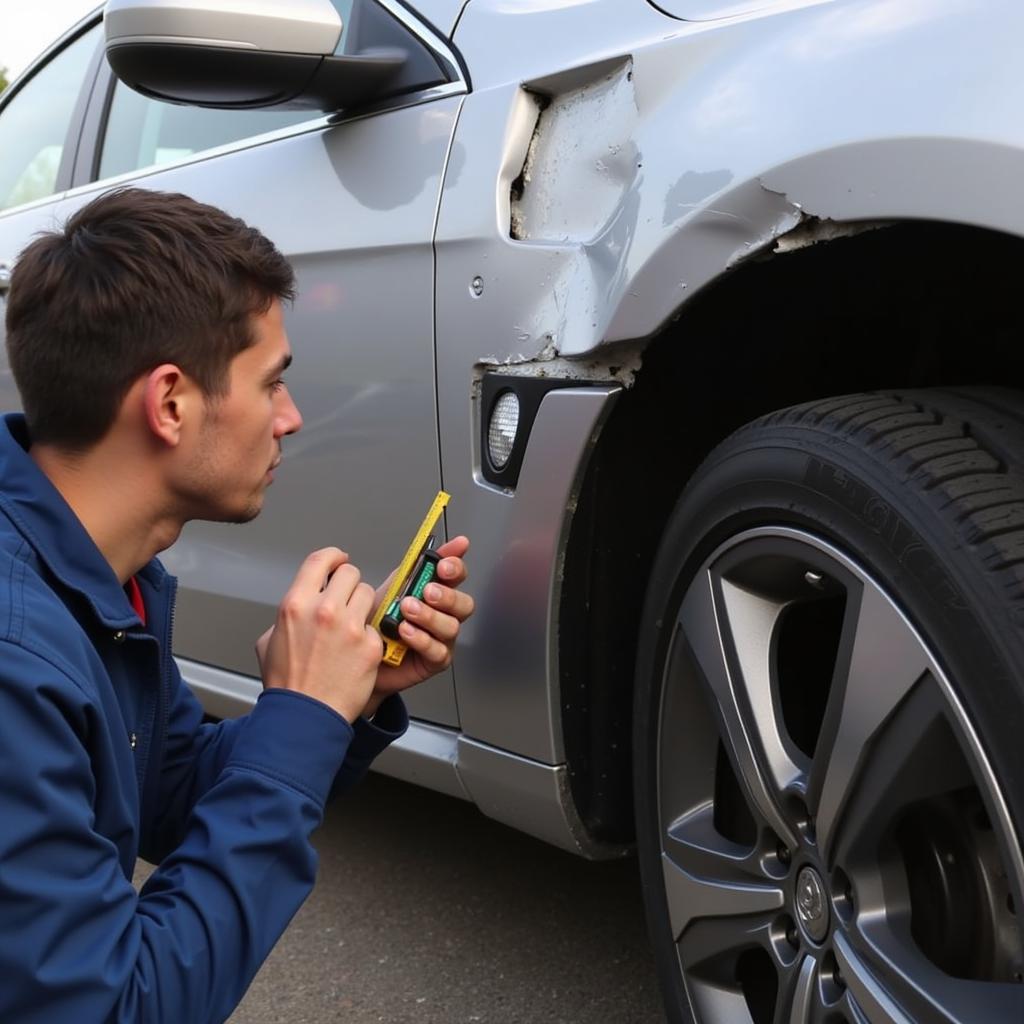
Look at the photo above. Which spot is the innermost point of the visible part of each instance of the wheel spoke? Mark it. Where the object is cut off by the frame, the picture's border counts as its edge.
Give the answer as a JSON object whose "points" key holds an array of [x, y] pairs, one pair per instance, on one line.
{"points": [[695, 844], [712, 945], [902, 987], [797, 995], [731, 639], [706, 876], [886, 660]]}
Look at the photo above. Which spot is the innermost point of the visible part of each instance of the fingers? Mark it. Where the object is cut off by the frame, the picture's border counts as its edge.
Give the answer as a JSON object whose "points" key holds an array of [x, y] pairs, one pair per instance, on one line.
{"points": [[322, 644], [315, 570], [457, 546], [434, 622], [456, 603], [444, 627], [451, 568], [346, 599], [431, 649]]}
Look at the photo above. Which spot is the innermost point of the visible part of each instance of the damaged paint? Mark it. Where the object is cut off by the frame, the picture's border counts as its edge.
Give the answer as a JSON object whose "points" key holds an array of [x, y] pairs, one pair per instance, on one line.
{"points": [[798, 229], [779, 216], [581, 161], [619, 363], [812, 230]]}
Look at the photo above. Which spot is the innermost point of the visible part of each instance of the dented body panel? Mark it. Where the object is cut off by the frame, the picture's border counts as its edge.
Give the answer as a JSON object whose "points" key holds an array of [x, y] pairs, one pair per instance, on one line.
{"points": [[613, 161], [727, 134]]}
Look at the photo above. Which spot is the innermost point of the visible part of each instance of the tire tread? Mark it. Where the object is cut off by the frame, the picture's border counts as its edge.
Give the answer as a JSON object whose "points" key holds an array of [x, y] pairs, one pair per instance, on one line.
{"points": [[963, 447]]}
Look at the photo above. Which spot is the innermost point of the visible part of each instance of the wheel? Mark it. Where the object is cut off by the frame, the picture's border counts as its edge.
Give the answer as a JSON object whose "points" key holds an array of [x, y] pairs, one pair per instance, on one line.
{"points": [[829, 753]]}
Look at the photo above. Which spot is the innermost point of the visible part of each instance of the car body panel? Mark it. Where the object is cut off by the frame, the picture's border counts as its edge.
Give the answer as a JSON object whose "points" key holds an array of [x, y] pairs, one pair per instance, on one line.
{"points": [[718, 133], [508, 650], [712, 155], [443, 15], [716, 10]]}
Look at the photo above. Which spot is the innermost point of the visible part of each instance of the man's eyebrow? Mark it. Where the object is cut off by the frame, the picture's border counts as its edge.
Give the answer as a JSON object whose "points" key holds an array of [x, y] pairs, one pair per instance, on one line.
{"points": [[279, 367]]}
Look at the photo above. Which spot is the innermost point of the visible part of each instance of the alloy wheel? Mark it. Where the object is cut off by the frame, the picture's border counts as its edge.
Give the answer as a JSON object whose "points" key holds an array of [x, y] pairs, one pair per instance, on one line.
{"points": [[835, 847]]}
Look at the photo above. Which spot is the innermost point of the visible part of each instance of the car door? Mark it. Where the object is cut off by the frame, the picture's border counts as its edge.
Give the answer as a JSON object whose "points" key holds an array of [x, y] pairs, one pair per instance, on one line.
{"points": [[351, 201]]}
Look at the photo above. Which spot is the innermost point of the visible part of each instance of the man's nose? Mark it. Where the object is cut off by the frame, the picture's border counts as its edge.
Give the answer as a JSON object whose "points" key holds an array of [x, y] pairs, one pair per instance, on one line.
{"points": [[289, 419]]}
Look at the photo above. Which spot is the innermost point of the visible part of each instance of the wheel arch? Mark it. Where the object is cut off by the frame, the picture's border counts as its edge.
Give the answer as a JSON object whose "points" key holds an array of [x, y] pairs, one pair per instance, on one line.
{"points": [[964, 181], [912, 304]]}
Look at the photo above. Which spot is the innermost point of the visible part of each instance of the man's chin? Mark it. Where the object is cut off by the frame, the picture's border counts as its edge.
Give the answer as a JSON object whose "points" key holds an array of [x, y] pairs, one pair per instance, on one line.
{"points": [[239, 516], [249, 514]]}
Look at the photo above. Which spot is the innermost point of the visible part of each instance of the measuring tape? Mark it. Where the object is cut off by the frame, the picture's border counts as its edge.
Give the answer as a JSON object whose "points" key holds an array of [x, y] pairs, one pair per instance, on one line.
{"points": [[394, 650]]}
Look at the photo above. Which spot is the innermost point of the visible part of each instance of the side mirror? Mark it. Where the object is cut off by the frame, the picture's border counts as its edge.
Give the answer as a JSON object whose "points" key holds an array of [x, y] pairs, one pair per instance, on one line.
{"points": [[249, 54]]}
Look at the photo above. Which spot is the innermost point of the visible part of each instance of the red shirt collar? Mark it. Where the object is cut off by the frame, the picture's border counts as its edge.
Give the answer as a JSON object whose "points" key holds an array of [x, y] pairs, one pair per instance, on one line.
{"points": [[135, 596]]}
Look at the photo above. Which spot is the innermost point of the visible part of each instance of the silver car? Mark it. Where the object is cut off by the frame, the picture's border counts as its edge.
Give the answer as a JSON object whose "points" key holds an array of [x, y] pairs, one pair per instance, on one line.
{"points": [[708, 315]]}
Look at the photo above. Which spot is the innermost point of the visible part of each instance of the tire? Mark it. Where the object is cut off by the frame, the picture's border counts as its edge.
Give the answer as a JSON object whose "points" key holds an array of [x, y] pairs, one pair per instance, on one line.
{"points": [[829, 763]]}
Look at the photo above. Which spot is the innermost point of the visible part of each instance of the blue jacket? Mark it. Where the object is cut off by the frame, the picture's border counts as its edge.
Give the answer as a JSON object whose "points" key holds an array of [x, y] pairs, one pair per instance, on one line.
{"points": [[104, 756]]}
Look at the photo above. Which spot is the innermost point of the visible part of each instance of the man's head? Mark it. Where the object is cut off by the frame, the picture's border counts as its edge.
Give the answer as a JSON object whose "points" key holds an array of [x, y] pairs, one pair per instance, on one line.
{"points": [[135, 279]]}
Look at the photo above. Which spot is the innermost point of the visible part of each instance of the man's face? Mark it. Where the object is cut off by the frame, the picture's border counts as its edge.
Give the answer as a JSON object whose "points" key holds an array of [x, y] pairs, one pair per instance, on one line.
{"points": [[239, 441]]}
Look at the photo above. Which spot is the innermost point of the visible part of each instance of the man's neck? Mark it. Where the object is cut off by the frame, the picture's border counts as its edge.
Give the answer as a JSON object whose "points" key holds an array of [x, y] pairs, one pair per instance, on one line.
{"points": [[113, 503]]}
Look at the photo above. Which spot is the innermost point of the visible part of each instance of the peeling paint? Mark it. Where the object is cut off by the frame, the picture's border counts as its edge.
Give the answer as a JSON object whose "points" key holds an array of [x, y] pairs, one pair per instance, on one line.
{"points": [[809, 228], [813, 230], [580, 163], [619, 363]]}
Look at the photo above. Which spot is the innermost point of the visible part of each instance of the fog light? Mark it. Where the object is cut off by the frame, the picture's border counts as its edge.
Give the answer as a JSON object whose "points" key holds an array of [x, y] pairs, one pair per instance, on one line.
{"points": [[501, 432]]}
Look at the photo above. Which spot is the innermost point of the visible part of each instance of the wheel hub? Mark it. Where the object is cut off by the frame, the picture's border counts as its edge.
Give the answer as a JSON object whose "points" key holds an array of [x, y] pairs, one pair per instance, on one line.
{"points": [[812, 904]]}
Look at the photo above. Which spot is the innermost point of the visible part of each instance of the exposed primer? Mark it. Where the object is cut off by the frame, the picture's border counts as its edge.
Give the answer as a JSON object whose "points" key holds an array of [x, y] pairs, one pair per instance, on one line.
{"points": [[812, 230], [526, 174], [582, 158], [618, 363], [796, 228]]}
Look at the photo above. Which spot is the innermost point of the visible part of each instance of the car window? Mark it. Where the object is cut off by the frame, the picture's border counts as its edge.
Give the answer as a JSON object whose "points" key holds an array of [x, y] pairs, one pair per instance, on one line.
{"points": [[143, 132], [34, 125]]}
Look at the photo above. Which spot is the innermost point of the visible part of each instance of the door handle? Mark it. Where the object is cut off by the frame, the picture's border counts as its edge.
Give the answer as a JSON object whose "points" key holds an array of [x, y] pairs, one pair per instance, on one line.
{"points": [[5, 278]]}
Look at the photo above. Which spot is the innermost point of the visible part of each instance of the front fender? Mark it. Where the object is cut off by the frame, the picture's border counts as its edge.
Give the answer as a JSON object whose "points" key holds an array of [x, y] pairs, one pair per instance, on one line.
{"points": [[668, 150]]}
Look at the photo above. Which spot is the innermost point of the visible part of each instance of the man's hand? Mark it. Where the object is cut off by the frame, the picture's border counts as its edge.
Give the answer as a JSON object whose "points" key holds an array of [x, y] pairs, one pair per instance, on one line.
{"points": [[321, 643], [429, 627]]}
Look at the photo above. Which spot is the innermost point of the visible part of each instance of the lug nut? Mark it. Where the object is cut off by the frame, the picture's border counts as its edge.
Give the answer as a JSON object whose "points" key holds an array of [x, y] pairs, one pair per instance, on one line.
{"points": [[785, 857], [793, 936], [837, 977]]}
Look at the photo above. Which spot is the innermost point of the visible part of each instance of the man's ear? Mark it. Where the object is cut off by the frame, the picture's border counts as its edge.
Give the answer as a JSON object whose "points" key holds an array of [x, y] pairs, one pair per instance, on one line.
{"points": [[170, 398]]}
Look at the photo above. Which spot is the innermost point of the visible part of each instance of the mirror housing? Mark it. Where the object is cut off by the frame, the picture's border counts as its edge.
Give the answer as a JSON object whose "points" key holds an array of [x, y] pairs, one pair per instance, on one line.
{"points": [[251, 54]]}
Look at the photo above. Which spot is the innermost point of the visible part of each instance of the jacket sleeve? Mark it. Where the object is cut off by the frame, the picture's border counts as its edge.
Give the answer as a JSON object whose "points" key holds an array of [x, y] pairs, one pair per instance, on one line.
{"points": [[77, 943], [195, 753]]}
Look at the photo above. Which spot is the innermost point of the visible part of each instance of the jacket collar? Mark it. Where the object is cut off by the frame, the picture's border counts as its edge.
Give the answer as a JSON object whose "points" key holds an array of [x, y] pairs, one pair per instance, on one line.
{"points": [[42, 516]]}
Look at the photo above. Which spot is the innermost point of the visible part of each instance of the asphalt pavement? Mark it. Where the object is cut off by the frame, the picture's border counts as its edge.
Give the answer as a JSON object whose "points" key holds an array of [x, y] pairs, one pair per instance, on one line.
{"points": [[426, 912]]}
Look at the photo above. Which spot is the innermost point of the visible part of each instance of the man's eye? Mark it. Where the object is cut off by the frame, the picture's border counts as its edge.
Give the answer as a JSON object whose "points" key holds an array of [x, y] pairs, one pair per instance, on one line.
{"points": [[278, 384]]}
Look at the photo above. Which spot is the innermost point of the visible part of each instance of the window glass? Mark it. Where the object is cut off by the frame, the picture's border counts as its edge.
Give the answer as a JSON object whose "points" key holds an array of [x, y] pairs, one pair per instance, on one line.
{"points": [[143, 132], [34, 125]]}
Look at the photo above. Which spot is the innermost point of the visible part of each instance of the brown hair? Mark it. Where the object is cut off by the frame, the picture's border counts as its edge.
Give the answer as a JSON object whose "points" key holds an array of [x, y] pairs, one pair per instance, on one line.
{"points": [[136, 278]]}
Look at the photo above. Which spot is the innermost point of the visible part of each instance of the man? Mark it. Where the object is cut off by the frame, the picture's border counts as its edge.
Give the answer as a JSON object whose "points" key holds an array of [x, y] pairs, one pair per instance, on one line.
{"points": [[147, 343]]}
